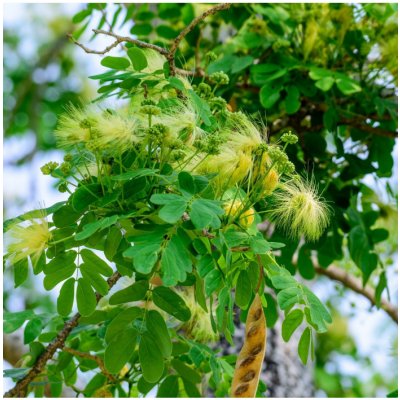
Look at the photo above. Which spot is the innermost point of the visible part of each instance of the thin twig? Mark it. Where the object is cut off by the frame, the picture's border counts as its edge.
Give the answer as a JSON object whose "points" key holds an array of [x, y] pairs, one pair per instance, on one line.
{"points": [[187, 30], [355, 284], [19, 390], [89, 356], [196, 21], [90, 51], [136, 42]]}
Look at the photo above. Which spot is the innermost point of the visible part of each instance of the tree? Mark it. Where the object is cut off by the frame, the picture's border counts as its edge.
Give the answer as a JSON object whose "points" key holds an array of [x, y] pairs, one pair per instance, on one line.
{"points": [[198, 195]]}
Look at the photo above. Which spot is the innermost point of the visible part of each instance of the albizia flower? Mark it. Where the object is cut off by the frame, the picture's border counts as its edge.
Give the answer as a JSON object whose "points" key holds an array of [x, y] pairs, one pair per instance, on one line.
{"points": [[299, 210], [29, 241], [199, 326], [75, 126]]}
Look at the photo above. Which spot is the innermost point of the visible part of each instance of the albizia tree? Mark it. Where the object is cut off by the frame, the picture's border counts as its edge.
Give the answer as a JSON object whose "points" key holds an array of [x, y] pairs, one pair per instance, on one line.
{"points": [[157, 245]]}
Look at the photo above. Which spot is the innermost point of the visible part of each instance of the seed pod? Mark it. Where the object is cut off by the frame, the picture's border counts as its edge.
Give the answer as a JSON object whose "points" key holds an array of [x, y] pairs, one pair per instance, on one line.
{"points": [[251, 356]]}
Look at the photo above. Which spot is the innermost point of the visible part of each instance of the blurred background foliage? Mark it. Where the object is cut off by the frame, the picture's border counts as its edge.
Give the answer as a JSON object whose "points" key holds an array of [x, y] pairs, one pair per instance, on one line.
{"points": [[326, 71]]}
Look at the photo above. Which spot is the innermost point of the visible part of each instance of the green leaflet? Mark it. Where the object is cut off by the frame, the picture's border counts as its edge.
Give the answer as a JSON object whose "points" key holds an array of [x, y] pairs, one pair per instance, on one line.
{"points": [[65, 216], [122, 321], [112, 242], [151, 359], [288, 297], [85, 195], [32, 330], [171, 302], [94, 278], [21, 271], [318, 312], [119, 63], [291, 323], [304, 345], [120, 349], [54, 278], [204, 213], [66, 297], [96, 263], [134, 292], [138, 58], [185, 371], [91, 228], [158, 330], [169, 387], [60, 261], [175, 261], [243, 290], [14, 320], [146, 247], [85, 297], [173, 206]]}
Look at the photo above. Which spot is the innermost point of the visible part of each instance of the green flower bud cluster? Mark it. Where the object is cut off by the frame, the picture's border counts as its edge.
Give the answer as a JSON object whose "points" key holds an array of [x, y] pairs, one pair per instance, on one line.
{"points": [[177, 155], [217, 103], [289, 138], [176, 144], [258, 25], [147, 102], [68, 157], [62, 188], [47, 169], [158, 132], [204, 90], [211, 145], [149, 107], [280, 160], [65, 168], [286, 168], [211, 56], [219, 78]]}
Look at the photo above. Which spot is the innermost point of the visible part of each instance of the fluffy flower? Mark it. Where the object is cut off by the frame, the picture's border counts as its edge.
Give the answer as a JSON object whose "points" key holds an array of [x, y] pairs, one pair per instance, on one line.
{"points": [[231, 166], [233, 208], [299, 210], [75, 126], [270, 182], [115, 132], [242, 133], [199, 326], [262, 172], [182, 122], [29, 240]]}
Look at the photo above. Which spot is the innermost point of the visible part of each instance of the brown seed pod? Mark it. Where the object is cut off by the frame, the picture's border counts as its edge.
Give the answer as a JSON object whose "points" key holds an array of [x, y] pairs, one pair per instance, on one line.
{"points": [[251, 356]]}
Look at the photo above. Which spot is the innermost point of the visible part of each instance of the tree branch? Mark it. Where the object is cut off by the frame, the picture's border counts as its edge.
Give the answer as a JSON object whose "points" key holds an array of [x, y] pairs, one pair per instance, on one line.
{"points": [[136, 42], [20, 389], [196, 21], [89, 356], [90, 51], [169, 54], [354, 284]]}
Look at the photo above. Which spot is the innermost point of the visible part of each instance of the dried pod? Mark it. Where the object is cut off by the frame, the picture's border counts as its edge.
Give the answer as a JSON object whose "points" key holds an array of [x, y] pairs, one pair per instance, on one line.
{"points": [[251, 356]]}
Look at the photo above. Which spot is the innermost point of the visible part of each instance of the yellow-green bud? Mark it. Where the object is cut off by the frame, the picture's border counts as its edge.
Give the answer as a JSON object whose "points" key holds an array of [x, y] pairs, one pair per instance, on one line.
{"points": [[289, 138], [48, 168], [219, 78]]}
